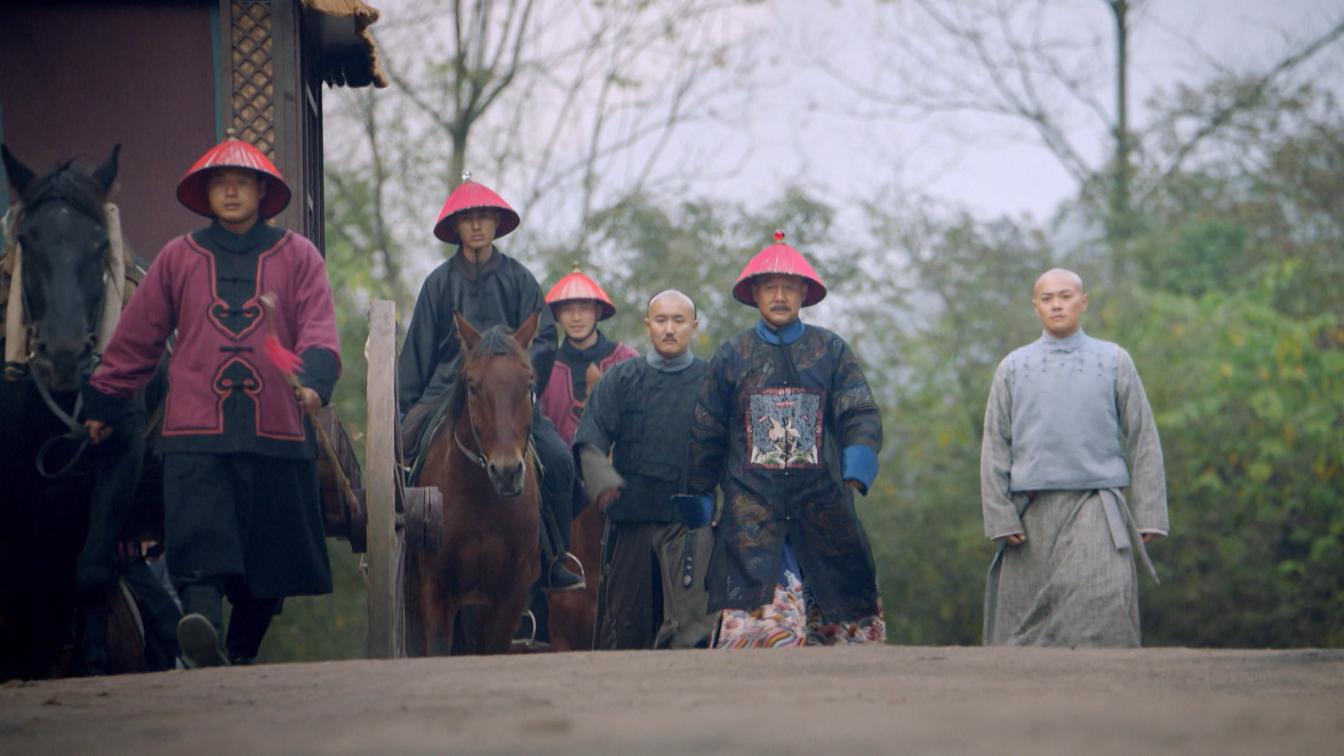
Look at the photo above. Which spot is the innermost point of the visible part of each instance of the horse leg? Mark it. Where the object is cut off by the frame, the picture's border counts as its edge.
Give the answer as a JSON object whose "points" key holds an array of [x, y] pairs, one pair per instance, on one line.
{"points": [[573, 613], [497, 621], [410, 592], [422, 608], [447, 615]]}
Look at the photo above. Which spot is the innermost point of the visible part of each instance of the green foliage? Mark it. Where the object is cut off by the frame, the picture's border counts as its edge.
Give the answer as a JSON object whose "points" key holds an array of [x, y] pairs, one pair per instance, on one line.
{"points": [[315, 628], [973, 282], [1231, 309], [1250, 404]]}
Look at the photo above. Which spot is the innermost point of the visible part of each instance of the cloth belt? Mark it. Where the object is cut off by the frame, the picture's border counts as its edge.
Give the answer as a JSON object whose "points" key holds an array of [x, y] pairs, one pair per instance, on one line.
{"points": [[1124, 533]]}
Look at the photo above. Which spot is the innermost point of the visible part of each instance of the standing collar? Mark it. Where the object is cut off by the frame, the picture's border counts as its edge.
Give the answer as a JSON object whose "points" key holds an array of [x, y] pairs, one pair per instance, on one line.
{"points": [[469, 268], [573, 355], [786, 335], [260, 237], [1067, 344], [663, 365]]}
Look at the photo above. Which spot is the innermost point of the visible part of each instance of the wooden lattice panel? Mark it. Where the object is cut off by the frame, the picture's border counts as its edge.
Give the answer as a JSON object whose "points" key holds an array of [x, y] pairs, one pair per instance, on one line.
{"points": [[253, 75]]}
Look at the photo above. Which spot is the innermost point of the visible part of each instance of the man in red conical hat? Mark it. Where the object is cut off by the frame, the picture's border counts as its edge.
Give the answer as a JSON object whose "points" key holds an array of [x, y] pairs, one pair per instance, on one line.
{"points": [[787, 427], [578, 304], [488, 288], [242, 513]]}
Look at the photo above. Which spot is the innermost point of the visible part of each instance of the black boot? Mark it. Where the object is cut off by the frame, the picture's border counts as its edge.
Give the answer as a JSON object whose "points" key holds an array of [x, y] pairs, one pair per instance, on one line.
{"points": [[199, 630], [247, 626], [557, 491], [199, 642], [559, 579], [555, 575]]}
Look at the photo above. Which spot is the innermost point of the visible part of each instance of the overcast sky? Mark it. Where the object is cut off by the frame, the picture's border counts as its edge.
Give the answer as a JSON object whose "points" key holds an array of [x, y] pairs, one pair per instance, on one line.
{"points": [[793, 122], [803, 127]]}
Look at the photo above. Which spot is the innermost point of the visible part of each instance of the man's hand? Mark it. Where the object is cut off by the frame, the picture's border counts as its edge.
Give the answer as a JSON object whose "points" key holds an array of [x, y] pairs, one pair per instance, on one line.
{"points": [[1147, 537], [1014, 539], [605, 498], [309, 401], [98, 430], [854, 484]]}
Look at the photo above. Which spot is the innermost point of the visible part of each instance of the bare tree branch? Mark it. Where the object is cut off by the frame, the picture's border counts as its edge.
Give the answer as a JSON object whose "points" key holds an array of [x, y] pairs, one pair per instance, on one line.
{"points": [[1248, 96]]}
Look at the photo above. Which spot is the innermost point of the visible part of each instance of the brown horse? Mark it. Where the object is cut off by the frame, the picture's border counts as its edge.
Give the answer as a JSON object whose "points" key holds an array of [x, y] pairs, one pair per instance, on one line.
{"points": [[479, 458], [573, 614]]}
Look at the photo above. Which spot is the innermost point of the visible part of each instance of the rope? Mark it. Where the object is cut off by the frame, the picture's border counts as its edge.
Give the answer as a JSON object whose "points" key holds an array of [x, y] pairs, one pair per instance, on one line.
{"points": [[75, 432], [20, 335]]}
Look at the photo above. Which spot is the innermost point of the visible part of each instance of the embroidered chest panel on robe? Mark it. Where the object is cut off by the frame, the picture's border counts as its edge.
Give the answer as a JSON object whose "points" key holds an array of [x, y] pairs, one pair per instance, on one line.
{"points": [[784, 428]]}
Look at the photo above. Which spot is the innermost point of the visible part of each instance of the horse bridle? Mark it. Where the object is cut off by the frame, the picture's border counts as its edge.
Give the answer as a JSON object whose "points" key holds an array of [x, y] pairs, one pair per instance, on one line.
{"points": [[75, 430], [479, 457]]}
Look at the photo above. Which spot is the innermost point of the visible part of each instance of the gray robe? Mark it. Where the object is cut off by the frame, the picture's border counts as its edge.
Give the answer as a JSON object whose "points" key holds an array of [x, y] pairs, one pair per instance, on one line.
{"points": [[1073, 582]]}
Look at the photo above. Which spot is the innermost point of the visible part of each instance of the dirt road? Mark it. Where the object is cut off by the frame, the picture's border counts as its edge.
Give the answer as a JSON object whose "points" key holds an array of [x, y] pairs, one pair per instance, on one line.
{"points": [[867, 700]]}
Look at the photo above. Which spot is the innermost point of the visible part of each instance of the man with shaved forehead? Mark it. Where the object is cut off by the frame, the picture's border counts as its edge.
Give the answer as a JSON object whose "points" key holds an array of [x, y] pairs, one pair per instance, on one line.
{"points": [[652, 589], [1068, 429]]}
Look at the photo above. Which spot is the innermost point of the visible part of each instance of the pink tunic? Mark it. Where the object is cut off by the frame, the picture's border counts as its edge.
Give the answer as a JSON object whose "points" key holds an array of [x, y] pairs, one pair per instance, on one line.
{"points": [[224, 395], [558, 402]]}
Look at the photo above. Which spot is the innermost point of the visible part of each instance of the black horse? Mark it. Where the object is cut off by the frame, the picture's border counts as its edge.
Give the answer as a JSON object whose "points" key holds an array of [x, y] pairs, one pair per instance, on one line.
{"points": [[59, 531]]}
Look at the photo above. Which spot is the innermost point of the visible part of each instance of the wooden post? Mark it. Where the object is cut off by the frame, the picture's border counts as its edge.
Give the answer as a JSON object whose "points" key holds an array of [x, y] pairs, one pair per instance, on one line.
{"points": [[380, 463]]}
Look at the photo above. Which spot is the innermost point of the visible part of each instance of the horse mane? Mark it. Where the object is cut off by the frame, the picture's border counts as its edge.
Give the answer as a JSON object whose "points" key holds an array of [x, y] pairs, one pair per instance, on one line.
{"points": [[70, 183]]}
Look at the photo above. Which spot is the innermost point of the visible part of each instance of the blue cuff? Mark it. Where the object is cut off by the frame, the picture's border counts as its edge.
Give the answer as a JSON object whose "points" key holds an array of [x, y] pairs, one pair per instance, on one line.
{"points": [[859, 463]]}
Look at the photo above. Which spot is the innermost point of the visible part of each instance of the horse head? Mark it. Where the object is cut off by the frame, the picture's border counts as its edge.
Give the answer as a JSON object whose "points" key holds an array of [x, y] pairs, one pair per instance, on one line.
{"points": [[64, 242], [498, 379]]}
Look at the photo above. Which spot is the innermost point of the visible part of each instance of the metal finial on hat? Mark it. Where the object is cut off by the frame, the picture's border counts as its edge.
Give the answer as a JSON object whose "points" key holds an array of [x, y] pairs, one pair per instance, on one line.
{"points": [[466, 176], [576, 267], [230, 133], [779, 236]]}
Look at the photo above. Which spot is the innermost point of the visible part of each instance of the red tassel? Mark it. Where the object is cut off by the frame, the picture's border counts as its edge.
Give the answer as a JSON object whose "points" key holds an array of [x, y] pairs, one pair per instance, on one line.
{"points": [[284, 360]]}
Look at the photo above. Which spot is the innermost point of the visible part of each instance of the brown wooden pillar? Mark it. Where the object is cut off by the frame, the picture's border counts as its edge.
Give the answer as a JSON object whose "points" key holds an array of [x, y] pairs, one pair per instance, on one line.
{"points": [[273, 99]]}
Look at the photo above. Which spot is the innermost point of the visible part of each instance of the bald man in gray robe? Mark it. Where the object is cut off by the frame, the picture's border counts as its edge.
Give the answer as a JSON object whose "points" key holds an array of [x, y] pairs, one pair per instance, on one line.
{"points": [[1067, 430]]}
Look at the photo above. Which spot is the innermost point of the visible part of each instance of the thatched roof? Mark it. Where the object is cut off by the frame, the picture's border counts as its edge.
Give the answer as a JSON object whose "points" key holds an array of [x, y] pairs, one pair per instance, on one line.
{"points": [[349, 54]]}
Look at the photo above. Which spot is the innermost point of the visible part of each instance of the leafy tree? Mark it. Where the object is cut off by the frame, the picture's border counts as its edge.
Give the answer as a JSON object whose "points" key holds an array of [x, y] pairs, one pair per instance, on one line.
{"points": [[1250, 403]]}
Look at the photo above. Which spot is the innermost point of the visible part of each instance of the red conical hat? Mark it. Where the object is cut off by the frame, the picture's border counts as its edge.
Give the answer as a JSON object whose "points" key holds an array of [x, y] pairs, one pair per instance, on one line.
{"points": [[779, 258], [193, 191], [468, 196], [577, 286]]}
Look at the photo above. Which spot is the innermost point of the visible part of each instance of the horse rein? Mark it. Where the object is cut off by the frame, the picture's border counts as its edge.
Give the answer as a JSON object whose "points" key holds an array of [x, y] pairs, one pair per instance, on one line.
{"points": [[75, 430]]}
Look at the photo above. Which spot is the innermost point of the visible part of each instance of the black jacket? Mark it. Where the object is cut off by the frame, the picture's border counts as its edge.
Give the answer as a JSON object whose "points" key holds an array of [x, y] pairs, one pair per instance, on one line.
{"points": [[500, 292], [643, 418]]}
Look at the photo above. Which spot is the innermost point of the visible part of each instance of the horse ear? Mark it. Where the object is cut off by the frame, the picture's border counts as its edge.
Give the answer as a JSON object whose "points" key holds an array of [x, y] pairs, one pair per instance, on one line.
{"points": [[107, 172], [469, 336], [19, 175], [526, 331]]}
